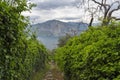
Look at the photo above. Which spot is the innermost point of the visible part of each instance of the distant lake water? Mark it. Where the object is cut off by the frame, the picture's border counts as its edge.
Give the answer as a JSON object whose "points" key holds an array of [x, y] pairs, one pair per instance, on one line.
{"points": [[49, 42]]}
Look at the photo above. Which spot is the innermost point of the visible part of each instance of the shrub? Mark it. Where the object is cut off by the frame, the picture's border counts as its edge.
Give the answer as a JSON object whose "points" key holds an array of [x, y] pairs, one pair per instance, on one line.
{"points": [[94, 55], [20, 54]]}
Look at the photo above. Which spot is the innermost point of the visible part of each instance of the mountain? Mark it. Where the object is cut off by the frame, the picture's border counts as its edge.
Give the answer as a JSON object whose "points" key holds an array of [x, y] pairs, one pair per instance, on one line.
{"points": [[58, 28], [49, 32]]}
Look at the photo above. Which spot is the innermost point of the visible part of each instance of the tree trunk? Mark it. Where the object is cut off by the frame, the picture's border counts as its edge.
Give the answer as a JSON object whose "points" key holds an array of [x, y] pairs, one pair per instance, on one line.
{"points": [[91, 21]]}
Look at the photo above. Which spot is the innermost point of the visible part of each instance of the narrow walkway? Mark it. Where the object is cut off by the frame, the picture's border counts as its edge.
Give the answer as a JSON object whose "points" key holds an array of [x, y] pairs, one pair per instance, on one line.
{"points": [[53, 73]]}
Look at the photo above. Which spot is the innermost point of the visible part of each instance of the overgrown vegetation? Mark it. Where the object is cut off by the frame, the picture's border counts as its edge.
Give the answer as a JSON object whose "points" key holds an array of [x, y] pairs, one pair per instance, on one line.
{"points": [[63, 40], [40, 74], [94, 55], [20, 53]]}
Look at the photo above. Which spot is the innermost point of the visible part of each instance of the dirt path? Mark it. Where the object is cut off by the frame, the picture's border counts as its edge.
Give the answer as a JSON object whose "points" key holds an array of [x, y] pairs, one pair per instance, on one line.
{"points": [[53, 73]]}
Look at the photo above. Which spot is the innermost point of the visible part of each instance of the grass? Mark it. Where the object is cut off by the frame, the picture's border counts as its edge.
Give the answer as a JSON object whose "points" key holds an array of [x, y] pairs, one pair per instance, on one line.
{"points": [[39, 75]]}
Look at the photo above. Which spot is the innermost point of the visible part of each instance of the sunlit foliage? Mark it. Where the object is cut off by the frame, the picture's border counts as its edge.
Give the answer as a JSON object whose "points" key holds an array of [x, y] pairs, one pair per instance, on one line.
{"points": [[94, 55], [20, 53]]}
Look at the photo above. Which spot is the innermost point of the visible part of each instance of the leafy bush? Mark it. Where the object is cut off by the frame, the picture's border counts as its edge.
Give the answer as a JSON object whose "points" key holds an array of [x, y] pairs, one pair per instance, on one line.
{"points": [[20, 54], [63, 40], [94, 55]]}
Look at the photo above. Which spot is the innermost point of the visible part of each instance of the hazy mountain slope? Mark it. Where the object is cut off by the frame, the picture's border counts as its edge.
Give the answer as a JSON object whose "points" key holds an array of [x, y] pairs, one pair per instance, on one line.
{"points": [[58, 28], [50, 31]]}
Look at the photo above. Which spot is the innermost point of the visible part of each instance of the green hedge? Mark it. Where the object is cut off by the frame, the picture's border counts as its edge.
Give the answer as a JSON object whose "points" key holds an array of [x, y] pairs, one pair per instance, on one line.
{"points": [[20, 53], [94, 55]]}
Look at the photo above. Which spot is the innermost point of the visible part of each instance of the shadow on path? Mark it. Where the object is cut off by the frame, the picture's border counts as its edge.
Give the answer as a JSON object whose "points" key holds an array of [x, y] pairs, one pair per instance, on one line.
{"points": [[53, 73]]}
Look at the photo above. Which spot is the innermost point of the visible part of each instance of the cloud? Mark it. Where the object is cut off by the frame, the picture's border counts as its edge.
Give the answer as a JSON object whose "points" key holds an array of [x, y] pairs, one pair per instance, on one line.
{"points": [[67, 13], [53, 4], [64, 10], [68, 18]]}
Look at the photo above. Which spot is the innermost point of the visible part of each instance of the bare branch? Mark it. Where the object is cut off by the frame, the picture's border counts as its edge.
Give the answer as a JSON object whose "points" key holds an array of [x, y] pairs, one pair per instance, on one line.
{"points": [[110, 13], [115, 18], [114, 3], [101, 3], [102, 6]]}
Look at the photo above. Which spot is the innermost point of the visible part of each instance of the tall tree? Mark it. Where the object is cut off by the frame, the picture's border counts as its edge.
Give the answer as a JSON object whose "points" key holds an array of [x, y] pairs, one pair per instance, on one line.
{"points": [[105, 7]]}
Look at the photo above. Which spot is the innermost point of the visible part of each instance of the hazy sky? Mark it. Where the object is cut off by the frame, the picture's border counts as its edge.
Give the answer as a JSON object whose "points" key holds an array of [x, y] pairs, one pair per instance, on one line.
{"points": [[64, 10]]}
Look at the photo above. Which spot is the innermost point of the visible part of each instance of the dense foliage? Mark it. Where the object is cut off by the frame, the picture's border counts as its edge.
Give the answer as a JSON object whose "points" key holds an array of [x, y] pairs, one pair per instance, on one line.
{"points": [[20, 53], [63, 40], [94, 55]]}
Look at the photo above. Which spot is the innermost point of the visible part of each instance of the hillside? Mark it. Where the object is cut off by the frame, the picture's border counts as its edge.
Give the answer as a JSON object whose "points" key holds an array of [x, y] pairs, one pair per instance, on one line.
{"points": [[50, 31], [58, 28]]}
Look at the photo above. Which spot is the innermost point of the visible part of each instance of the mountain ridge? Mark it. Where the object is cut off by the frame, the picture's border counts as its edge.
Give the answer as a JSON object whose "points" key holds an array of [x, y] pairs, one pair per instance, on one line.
{"points": [[50, 31], [58, 28]]}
